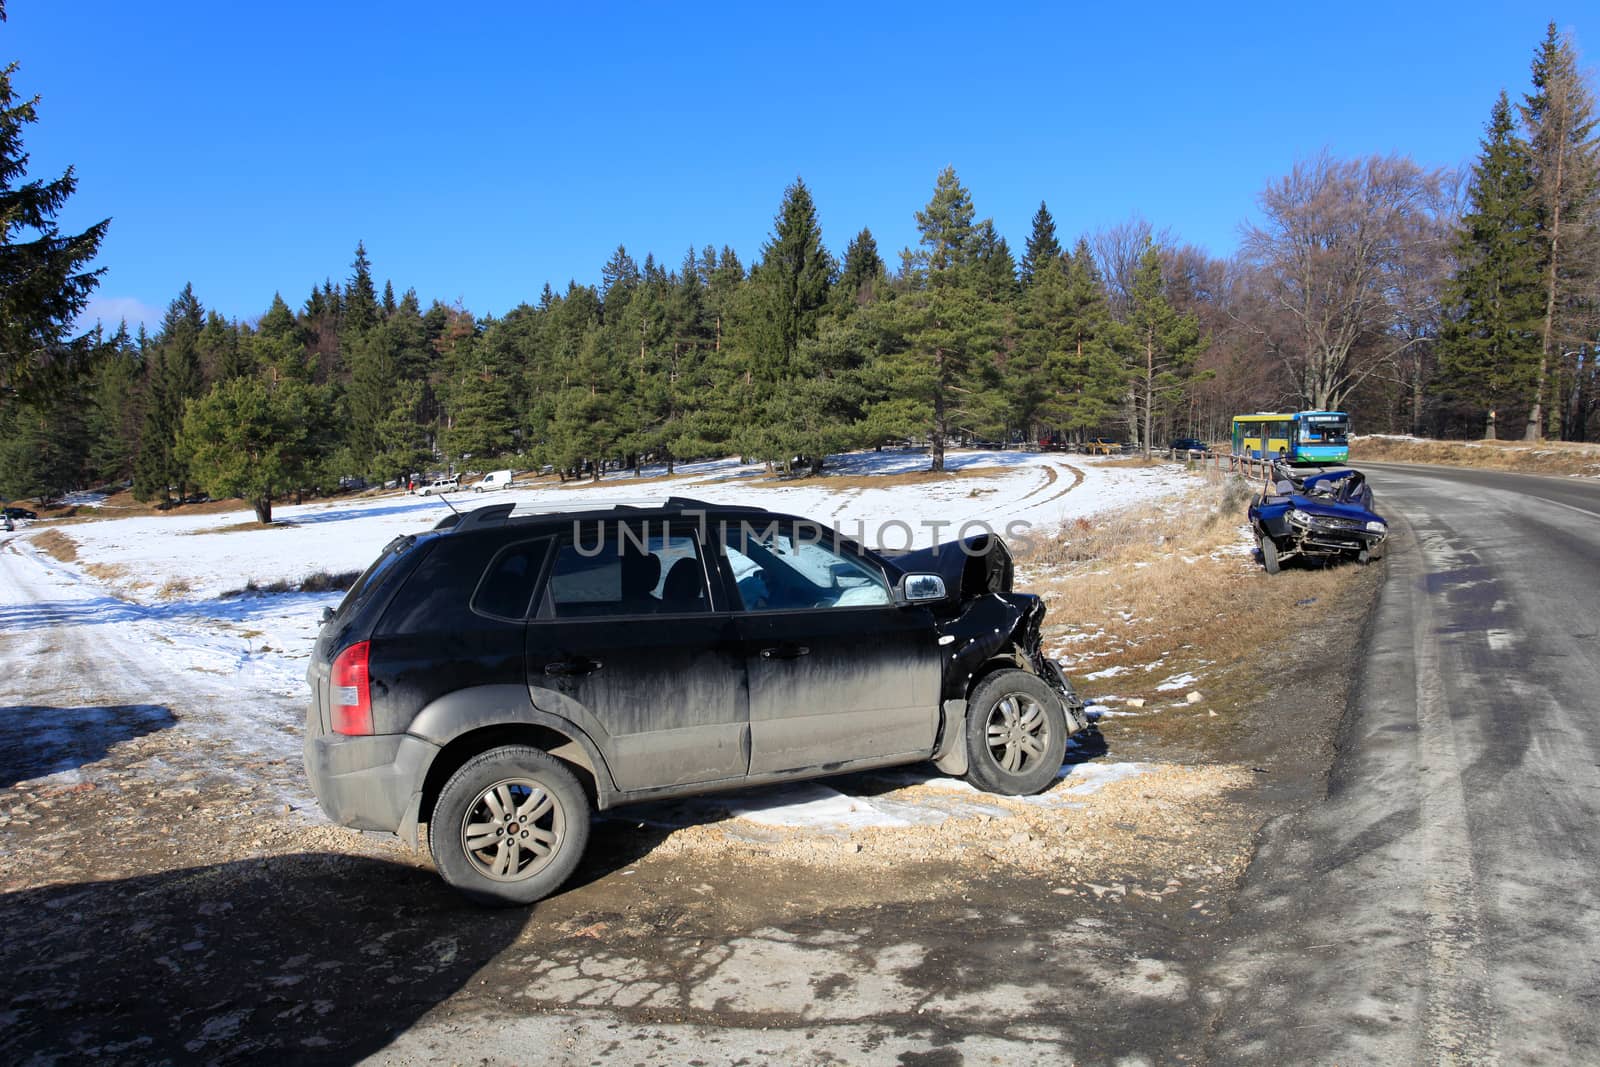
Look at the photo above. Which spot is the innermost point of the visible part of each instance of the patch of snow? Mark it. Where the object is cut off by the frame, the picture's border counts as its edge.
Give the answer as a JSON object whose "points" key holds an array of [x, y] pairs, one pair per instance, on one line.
{"points": [[1108, 672], [1177, 681]]}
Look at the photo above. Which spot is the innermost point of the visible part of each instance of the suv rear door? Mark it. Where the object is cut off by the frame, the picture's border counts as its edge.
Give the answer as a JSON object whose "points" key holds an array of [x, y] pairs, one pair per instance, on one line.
{"points": [[838, 673], [630, 643]]}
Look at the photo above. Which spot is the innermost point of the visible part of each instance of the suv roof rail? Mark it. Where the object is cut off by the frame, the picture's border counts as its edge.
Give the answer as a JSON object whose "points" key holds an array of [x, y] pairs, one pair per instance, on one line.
{"points": [[483, 516], [498, 513]]}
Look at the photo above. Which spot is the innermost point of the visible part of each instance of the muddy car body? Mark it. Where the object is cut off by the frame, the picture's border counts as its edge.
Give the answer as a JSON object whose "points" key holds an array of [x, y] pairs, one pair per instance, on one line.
{"points": [[505, 673], [1321, 515]]}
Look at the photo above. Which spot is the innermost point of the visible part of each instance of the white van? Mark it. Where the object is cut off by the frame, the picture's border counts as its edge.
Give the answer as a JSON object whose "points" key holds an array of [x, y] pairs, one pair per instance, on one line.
{"points": [[492, 481]]}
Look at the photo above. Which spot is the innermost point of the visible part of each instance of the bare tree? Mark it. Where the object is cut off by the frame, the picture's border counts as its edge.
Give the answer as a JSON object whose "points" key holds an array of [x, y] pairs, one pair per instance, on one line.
{"points": [[1337, 259], [1560, 121]]}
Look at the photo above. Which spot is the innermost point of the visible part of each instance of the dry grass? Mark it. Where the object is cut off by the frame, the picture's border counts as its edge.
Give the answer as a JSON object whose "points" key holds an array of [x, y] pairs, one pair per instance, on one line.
{"points": [[56, 544], [242, 527], [1549, 457], [319, 582], [174, 588], [1155, 593], [110, 573]]}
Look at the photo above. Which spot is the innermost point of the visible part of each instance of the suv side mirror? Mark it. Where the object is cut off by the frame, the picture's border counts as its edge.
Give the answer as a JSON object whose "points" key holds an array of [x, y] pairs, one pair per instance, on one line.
{"points": [[919, 589]]}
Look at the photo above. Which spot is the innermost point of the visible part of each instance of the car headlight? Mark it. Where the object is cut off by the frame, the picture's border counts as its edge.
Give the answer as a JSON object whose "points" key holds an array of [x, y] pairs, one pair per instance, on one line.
{"points": [[1298, 516], [1377, 527]]}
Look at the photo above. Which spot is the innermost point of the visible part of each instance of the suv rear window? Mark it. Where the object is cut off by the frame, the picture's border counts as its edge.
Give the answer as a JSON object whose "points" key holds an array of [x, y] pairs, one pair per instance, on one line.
{"points": [[437, 597], [368, 582]]}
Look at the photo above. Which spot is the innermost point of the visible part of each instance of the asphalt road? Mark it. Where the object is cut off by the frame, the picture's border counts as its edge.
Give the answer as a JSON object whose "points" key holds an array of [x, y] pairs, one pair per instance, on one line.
{"points": [[1442, 905]]}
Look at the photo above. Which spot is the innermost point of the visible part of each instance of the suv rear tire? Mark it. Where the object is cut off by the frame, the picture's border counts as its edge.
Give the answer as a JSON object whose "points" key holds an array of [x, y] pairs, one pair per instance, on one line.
{"points": [[1016, 734], [509, 827]]}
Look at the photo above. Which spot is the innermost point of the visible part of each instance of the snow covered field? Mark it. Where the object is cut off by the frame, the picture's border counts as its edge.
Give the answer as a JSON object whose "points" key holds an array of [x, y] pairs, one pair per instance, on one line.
{"points": [[233, 667]]}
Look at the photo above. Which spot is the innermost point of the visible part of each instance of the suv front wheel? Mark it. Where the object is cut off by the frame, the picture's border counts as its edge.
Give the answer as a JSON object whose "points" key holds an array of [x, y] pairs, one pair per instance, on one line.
{"points": [[509, 827], [1016, 734]]}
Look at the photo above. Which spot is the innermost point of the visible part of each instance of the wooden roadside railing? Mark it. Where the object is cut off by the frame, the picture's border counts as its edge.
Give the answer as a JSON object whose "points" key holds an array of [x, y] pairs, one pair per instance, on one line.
{"points": [[1225, 462]]}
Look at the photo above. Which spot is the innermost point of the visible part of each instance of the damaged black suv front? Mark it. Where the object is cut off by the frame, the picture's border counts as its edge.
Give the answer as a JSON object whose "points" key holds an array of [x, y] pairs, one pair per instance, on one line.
{"points": [[497, 679], [986, 628]]}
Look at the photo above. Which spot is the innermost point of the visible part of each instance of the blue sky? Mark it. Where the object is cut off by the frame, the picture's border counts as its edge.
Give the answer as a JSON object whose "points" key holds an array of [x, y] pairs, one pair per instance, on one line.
{"points": [[482, 149]]}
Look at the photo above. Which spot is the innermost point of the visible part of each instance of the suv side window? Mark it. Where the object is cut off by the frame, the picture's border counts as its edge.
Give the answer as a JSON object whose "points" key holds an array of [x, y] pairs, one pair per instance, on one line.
{"points": [[506, 589], [611, 570], [797, 568]]}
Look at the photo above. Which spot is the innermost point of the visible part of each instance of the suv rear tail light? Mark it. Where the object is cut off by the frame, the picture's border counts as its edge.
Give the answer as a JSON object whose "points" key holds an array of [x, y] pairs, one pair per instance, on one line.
{"points": [[352, 695]]}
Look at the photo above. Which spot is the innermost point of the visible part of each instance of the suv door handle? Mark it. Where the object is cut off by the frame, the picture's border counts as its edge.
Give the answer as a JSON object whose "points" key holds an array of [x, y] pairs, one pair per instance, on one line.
{"points": [[569, 667], [785, 651]]}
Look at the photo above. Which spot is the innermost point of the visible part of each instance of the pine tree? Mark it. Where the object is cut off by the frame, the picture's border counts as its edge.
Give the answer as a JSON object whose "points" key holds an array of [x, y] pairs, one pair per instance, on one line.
{"points": [[946, 225], [1490, 346], [1559, 116], [246, 439], [1043, 250], [43, 280], [935, 372]]}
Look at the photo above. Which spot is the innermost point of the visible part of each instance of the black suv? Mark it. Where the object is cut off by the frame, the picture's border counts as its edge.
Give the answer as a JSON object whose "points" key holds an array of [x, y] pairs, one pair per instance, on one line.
{"points": [[500, 675]]}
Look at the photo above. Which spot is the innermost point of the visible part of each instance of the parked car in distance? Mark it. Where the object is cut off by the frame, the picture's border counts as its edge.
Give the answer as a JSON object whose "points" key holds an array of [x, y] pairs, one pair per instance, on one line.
{"points": [[1103, 446], [20, 513], [1319, 515], [1189, 444], [440, 485], [500, 676], [492, 481]]}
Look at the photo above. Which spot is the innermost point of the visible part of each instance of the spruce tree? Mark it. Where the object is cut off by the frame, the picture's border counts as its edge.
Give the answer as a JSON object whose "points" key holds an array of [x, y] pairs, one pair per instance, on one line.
{"points": [[44, 283], [1559, 116], [793, 277], [361, 311], [115, 408], [1043, 250], [863, 271], [173, 377], [1490, 344]]}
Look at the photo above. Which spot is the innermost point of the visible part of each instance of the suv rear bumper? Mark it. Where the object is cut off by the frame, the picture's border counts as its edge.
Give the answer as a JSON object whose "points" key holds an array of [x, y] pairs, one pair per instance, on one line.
{"points": [[369, 783]]}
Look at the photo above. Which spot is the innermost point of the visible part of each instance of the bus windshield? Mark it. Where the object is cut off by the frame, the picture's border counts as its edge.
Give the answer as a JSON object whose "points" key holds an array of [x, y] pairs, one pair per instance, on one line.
{"points": [[1325, 429]]}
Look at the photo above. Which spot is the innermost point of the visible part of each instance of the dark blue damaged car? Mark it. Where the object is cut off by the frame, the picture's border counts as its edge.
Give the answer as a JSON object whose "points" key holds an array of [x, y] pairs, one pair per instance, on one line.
{"points": [[488, 684], [1323, 515]]}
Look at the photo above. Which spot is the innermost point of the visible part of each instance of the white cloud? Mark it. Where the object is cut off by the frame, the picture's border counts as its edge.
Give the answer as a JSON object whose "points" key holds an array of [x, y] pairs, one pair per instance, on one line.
{"points": [[111, 310]]}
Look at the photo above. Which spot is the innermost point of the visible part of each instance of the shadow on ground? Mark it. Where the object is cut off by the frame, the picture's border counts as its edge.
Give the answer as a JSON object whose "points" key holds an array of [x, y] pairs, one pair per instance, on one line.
{"points": [[299, 958], [36, 740]]}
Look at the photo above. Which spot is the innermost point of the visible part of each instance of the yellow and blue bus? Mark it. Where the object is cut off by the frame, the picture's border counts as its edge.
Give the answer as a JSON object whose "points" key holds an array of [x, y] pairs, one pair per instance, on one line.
{"points": [[1297, 437]]}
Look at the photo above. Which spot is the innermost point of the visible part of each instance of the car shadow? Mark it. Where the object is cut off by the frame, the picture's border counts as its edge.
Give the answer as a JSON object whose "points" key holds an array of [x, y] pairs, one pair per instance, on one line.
{"points": [[303, 958], [36, 740]]}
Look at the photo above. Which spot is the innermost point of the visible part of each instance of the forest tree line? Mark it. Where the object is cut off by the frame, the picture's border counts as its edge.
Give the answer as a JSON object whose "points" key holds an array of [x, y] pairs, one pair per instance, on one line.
{"points": [[1421, 300]]}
